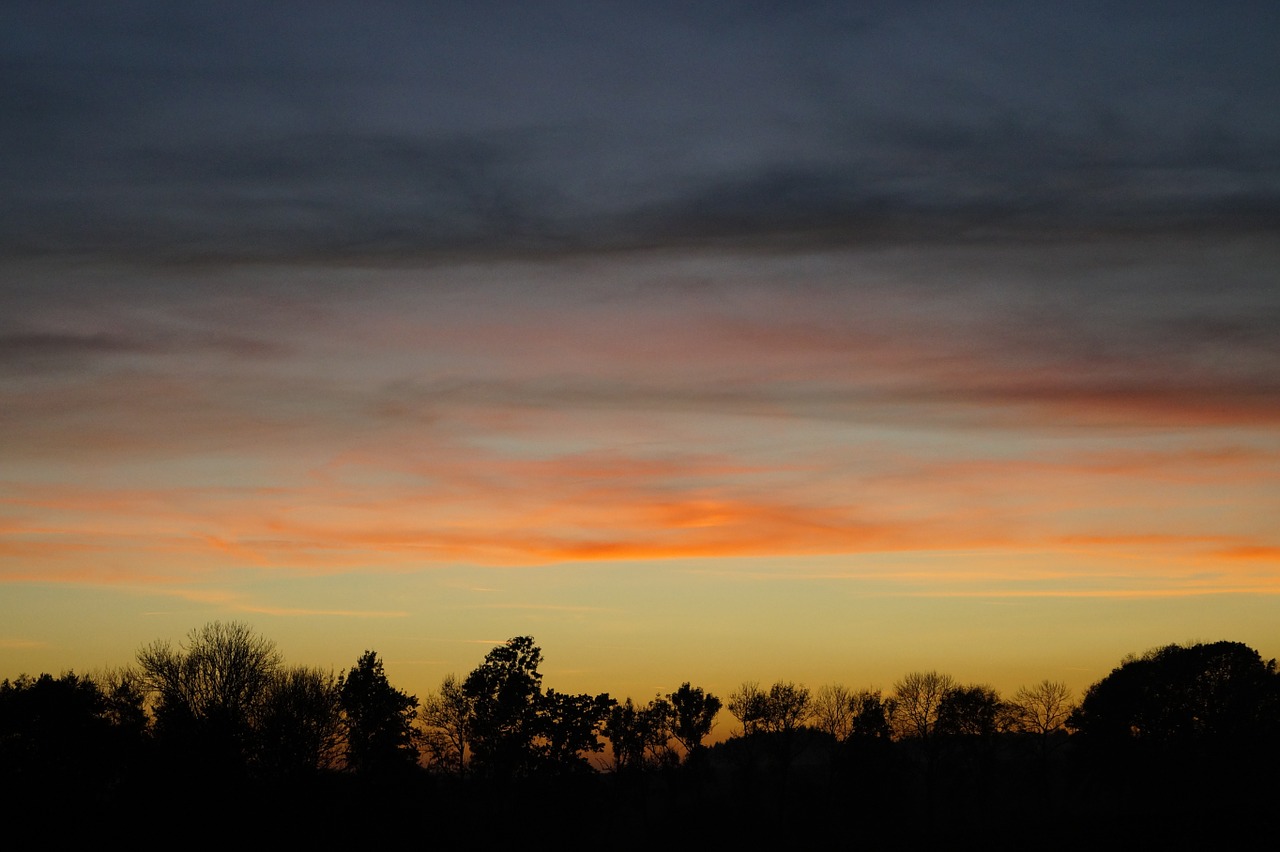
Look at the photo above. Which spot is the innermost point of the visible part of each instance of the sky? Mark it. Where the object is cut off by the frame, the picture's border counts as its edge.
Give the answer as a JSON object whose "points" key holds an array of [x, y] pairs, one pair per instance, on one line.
{"points": [[820, 342]]}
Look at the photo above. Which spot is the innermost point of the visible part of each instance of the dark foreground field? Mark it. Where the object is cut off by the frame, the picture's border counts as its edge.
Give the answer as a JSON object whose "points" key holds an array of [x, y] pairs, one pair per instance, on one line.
{"points": [[1001, 798]]}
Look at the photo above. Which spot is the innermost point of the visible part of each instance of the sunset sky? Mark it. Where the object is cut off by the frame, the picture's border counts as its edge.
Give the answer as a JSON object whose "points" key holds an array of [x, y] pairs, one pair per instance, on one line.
{"points": [[820, 342]]}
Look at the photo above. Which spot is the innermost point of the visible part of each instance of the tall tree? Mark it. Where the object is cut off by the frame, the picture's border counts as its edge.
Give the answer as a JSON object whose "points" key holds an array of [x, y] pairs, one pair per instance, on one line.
{"points": [[504, 692], [377, 718]]}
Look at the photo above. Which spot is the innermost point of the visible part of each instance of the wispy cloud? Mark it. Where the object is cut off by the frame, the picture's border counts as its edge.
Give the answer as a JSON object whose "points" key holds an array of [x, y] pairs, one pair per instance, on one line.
{"points": [[21, 644]]}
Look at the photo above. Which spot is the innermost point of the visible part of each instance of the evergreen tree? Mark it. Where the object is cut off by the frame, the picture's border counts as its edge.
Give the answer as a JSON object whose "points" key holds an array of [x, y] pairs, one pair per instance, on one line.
{"points": [[378, 720]]}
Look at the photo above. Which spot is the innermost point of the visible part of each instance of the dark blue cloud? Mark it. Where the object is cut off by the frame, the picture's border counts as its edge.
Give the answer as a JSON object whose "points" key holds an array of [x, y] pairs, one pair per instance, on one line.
{"points": [[246, 128]]}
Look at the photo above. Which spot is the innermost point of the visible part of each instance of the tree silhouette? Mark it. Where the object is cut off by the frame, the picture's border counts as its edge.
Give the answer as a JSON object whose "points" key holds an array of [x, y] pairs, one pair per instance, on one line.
{"points": [[918, 697], [446, 719], [833, 711], [873, 715], [124, 692], [569, 726], [208, 693], [693, 716], [300, 731], [1183, 693], [515, 729], [970, 718], [1182, 731], [771, 722], [64, 736], [378, 720], [787, 708], [1177, 743], [504, 691], [1043, 710], [749, 705], [972, 711], [639, 736]]}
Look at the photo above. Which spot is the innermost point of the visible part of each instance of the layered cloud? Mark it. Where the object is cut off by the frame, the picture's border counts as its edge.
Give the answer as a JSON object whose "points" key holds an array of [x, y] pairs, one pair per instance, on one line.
{"points": [[1110, 401]]}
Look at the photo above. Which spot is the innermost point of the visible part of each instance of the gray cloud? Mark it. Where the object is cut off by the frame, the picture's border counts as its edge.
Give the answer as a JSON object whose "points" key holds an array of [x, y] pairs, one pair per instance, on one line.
{"points": [[47, 343], [42, 352]]}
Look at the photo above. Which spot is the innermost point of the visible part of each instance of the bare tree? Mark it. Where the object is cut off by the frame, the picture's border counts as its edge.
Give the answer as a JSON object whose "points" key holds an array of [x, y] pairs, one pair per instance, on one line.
{"points": [[445, 716], [844, 714], [1044, 708], [772, 724], [833, 711], [919, 696], [209, 692], [749, 705], [300, 728], [784, 708]]}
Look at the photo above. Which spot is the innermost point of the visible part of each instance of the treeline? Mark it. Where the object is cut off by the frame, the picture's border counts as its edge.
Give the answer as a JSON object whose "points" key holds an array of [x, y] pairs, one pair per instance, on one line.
{"points": [[1178, 742]]}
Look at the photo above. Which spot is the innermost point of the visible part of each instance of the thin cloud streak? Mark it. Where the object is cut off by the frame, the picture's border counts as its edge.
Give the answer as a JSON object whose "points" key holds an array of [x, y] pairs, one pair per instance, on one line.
{"points": [[21, 644], [547, 607], [1267, 589], [260, 609]]}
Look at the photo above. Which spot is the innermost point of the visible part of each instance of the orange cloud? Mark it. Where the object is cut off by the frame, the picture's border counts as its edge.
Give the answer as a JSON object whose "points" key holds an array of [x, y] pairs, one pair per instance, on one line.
{"points": [[1250, 553], [371, 509]]}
